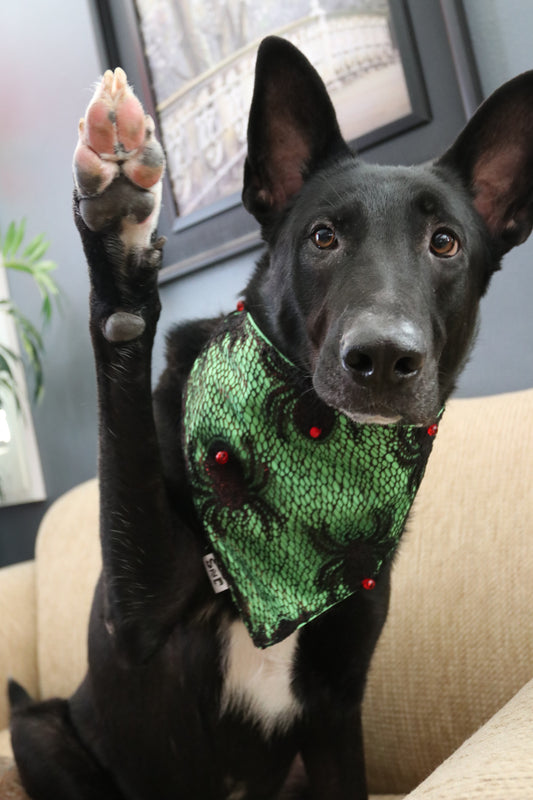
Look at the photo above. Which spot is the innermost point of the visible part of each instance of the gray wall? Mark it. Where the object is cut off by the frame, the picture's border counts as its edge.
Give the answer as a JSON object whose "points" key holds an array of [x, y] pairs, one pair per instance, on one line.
{"points": [[48, 61], [502, 38]]}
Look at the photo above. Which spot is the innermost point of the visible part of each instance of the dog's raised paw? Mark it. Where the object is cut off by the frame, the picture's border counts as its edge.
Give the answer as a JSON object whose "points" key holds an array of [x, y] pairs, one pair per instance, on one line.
{"points": [[118, 163]]}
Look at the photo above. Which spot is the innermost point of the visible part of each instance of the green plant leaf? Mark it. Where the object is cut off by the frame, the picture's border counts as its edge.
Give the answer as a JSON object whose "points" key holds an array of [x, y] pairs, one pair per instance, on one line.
{"points": [[4, 365], [46, 309], [7, 378], [19, 236], [10, 238], [36, 249], [33, 245], [33, 346], [10, 387], [19, 266], [47, 266], [7, 355]]}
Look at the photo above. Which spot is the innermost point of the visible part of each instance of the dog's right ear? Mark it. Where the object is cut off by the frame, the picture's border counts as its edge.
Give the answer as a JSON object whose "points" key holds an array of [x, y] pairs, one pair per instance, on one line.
{"points": [[292, 128]]}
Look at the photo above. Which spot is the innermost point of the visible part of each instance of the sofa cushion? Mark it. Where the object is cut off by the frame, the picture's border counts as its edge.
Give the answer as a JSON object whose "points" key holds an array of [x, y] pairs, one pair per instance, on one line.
{"points": [[495, 763], [18, 631], [458, 643], [68, 564]]}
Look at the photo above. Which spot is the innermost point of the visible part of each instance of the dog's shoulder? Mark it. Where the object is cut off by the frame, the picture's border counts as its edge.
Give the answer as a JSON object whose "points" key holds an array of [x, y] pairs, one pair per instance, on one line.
{"points": [[184, 343]]}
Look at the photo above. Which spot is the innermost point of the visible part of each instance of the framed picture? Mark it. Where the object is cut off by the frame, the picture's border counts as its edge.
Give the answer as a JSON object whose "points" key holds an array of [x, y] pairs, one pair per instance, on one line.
{"points": [[192, 65]]}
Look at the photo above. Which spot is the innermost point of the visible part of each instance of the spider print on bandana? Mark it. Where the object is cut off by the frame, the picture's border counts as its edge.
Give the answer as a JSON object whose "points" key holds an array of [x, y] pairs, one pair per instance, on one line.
{"points": [[280, 401], [412, 453], [296, 404], [234, 485], [349, 560]]}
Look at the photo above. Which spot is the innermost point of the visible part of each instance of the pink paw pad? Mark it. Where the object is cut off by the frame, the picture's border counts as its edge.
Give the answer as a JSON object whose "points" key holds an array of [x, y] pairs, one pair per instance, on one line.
{"points": [[116, 137]]}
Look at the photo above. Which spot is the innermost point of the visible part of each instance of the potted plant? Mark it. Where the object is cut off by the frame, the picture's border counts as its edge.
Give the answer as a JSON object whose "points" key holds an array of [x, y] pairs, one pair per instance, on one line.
{"points": [[15, 327], [28, 259]]}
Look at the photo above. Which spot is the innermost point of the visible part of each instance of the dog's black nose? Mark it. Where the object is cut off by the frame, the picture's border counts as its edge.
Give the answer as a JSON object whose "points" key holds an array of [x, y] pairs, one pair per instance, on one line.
{"points": [[382, 359]]}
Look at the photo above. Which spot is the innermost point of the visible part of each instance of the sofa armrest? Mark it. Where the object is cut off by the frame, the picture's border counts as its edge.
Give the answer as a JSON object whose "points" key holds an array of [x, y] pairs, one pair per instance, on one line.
{"points": [[18, 631], [496, 762]]}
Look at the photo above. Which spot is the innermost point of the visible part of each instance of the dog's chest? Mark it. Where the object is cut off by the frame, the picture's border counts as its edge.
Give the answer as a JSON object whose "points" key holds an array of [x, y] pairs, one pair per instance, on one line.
{"points": [[258, 683]]}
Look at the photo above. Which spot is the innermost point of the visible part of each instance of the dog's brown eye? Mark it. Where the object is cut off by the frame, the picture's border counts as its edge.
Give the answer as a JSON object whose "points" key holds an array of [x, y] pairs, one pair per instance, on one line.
{"points": [[324, 237], [444, 243]]}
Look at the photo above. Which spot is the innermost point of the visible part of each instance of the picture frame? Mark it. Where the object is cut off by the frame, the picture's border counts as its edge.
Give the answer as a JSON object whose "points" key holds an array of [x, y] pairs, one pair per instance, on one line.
{"points": [[441, 63]]}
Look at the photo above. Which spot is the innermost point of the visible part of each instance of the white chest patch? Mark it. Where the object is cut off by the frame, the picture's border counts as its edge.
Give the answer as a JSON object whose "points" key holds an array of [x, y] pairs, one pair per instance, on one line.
{"points": [[258, 682]]}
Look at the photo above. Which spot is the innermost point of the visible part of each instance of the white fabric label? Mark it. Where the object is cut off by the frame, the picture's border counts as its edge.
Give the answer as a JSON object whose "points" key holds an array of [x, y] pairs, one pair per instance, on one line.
{"points": [[218, 582]]}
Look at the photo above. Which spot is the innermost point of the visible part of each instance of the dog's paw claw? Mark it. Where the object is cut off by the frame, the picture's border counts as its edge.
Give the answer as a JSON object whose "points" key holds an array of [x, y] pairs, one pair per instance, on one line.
{"points": [[122, 326], [117, 140]]}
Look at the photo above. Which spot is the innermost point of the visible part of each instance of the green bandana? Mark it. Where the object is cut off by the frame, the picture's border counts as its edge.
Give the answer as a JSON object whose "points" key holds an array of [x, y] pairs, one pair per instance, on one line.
{"points": [[301, 506]]}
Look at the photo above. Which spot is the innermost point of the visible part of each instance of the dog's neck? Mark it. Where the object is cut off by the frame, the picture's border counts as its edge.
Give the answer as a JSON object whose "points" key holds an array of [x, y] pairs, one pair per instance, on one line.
{"points": [[301, 506]]}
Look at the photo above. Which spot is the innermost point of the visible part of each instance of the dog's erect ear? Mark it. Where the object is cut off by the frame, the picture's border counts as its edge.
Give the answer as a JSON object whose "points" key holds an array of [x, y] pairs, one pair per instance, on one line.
{"points": [[291, 130], [494, 155]]}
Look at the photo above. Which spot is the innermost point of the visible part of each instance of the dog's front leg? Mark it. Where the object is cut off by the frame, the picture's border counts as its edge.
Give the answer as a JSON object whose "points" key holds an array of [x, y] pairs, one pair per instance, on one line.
{"points": [[118, 167], [332, 753]]}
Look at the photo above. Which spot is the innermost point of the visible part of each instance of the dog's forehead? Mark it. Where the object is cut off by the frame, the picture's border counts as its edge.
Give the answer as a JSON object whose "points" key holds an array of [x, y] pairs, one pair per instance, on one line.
{"points": [[355, 188]]}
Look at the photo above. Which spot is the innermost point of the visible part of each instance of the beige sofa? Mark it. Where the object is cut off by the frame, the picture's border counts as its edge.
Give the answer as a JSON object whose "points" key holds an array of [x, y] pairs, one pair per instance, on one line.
{"points": [[449, 706]]}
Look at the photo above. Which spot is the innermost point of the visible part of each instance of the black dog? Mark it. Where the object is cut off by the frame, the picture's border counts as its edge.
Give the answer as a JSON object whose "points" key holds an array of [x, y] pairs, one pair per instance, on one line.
{"points": [[370, 288]]}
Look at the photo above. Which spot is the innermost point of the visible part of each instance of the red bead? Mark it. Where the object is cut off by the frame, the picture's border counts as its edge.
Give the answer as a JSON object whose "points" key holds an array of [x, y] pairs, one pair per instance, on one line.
{"points": [[315, 432], [432, 430], [222, 457], [240, 305], [368, 584]]}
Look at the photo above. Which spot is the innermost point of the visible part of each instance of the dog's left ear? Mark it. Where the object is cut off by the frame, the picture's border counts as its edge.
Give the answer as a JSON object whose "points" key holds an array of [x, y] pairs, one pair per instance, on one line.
{"points": [[292, 128], [494, 156]]}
